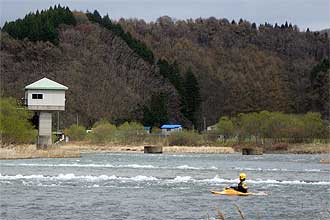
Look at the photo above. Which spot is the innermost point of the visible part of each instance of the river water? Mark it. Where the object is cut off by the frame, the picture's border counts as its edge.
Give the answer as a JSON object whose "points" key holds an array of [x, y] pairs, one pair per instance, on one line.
{"points": [[164, 186]]}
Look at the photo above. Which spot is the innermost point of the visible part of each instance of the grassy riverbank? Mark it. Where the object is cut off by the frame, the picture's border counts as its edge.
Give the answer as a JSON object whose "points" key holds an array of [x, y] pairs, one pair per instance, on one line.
{"points": [[298, 149], [309, 149], [74, 149], [84, 147], [30, 152], [285, 148]]}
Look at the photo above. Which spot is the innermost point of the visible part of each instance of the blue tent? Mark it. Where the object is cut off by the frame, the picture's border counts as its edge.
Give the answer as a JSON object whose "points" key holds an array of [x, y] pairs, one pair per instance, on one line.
{"points": [[170, 126]]}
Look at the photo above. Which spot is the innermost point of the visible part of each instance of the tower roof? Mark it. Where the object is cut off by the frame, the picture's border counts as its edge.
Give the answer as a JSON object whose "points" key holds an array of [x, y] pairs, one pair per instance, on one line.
{"points": [[46, 84]]}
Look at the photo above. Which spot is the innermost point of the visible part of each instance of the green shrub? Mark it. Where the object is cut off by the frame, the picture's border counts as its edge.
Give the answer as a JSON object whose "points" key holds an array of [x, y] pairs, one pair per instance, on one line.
{"points": [[15, 127], [155, 139], [156, 130], [185, 138], [210, 137], [314, 126], [277, 126], [226, 127], [129, 133], [76, 132], [103, 132]]}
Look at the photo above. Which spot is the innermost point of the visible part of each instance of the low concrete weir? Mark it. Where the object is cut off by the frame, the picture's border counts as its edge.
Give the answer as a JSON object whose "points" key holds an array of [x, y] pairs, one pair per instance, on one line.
{"points": [[252, 151], [153, 149]]}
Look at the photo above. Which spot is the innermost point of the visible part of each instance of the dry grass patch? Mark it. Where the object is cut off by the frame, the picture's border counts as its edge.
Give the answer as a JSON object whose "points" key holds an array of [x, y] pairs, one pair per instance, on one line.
{"points": [[221, 216], [86, 147], [200, 149], [90, 148], [310, 149], [30, 152]]}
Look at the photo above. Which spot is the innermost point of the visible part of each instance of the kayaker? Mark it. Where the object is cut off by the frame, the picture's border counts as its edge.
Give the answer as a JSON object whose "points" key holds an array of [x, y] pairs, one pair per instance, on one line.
{"points": [[242, 186]]}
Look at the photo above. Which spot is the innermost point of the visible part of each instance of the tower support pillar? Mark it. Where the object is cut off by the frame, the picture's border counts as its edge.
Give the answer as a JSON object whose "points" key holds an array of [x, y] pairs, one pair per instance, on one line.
{"points": [[45, 130]]}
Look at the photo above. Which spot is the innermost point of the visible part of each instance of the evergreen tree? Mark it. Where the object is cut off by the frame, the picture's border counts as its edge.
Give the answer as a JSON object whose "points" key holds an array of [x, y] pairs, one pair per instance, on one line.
{"points": [[97, 17], [192, 99], [156, 114], [172, 73], [106, 21], [139, 47], [319, 89], [175, 77], [41, 26], [240, 21]]}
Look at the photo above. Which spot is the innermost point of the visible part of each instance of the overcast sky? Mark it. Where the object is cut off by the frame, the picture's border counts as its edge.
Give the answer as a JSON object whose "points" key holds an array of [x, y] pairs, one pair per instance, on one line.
{"points": [[305, 13]]}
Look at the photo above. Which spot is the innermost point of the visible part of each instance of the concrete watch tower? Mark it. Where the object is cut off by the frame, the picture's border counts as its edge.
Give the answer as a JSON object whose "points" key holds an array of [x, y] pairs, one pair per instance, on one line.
{"points": [[45, 96]]}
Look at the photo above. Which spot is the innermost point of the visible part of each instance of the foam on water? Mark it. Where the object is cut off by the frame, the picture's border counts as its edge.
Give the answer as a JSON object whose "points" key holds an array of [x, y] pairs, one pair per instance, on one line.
{"points": [[216, 179], [186, 167], [278, 170], [134, 166], [312, 170], [177, 179], [258, 169], [138, 166], [141, 178], [149, 166], [180, 179], [289, 182]]}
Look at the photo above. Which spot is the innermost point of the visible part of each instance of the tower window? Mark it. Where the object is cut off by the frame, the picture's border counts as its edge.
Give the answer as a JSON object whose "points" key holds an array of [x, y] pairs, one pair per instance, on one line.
{"points": [[37, 96]]}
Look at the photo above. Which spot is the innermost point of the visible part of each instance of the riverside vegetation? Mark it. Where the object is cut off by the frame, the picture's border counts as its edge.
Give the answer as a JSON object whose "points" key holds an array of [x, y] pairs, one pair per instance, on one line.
{"points": [[274, 131], [16, 129]]}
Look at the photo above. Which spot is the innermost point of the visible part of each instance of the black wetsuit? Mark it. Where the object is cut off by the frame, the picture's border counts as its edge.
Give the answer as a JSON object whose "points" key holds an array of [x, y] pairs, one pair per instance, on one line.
{"points": [[241, 187]]}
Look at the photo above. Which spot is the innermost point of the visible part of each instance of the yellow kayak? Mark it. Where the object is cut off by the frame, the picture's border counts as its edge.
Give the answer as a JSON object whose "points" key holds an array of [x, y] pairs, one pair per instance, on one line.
{"points": [[231, 192]]}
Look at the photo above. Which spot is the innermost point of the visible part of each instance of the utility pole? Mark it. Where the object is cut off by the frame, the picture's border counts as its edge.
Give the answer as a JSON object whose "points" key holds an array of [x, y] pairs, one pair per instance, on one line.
{"points": [[58, 122], [77, 120], [204, 119]]}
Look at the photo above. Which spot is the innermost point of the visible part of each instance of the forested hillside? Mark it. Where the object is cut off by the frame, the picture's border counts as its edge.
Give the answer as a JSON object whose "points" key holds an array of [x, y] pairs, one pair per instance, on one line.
{"points": [[165, 71], [106, 78], [241, 67]]}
